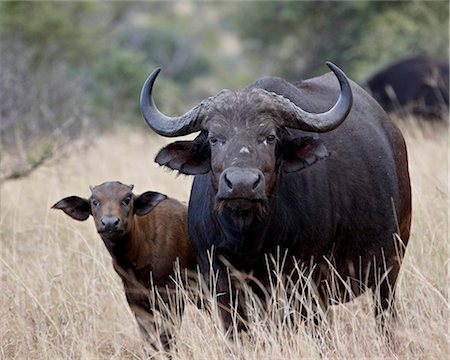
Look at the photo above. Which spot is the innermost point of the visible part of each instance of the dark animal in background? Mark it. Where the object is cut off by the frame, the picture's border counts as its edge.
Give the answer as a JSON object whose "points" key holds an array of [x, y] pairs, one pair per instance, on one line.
{"points": [[145, 235], [274, 173], [417, 85]]}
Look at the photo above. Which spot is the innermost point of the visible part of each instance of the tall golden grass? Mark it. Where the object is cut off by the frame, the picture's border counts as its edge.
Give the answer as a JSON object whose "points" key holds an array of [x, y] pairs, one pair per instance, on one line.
{"points": [[61, 299]]}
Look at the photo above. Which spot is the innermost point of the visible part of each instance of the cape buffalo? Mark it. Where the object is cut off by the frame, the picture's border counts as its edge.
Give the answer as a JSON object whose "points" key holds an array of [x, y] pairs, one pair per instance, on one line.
{"points": [[417, 85], [145, 234], [275, 173]]}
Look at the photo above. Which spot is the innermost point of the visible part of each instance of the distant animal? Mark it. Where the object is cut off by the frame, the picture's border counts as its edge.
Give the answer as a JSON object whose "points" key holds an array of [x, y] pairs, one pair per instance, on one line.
{"points": [[277, 172], [417, 85], [145, 235]]}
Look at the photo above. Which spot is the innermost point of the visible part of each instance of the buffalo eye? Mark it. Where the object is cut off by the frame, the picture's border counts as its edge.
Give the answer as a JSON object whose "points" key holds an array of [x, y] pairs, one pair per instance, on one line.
{"points": [[126, 201], [214, 141], [270, 139], [95, 202]]}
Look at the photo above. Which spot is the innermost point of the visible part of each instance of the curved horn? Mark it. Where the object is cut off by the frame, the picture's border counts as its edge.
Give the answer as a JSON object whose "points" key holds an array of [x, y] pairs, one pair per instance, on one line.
{"points": [[162, 124], [330, 119]]}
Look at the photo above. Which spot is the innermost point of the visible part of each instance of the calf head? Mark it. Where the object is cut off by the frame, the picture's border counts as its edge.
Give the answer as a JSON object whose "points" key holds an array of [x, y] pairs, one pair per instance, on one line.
{"points": [[113, 206], [245, 141]]}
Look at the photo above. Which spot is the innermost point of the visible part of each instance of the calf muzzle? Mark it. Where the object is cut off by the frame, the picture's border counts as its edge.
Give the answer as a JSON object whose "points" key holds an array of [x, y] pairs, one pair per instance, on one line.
{"points": [[109, 224]]}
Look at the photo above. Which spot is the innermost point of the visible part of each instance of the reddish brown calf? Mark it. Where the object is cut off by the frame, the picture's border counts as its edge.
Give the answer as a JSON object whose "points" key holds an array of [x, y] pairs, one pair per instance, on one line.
{"points": [[145, 236]]}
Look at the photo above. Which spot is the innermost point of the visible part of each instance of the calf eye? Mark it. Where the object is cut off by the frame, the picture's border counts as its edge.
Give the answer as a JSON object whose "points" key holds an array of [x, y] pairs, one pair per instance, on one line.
{"points": [[95, 202], [270, 139], [126, 201]]}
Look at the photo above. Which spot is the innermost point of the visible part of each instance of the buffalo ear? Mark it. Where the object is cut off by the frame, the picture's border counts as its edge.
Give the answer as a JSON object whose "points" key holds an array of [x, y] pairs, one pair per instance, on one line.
{"points": [[147, 201], [300, 152], [188, 157], [74, 206]]}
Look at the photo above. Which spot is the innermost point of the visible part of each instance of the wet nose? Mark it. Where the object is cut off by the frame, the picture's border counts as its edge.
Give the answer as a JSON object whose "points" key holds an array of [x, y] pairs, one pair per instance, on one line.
{"points": [[241, 183], [109, 223]]}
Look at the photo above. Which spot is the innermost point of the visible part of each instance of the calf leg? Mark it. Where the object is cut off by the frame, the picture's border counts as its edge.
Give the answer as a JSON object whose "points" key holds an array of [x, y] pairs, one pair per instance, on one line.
{"points": [[154, 315], [148, 319]]}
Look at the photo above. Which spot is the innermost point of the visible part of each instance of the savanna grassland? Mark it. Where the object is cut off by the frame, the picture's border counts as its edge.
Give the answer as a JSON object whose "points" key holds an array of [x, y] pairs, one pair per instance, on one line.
{"points": [[61, 299]]}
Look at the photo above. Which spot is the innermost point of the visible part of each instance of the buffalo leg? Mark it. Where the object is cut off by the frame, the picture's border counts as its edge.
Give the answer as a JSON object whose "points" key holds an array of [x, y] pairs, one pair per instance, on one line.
{"points": [[384, 295], [216, 276]]}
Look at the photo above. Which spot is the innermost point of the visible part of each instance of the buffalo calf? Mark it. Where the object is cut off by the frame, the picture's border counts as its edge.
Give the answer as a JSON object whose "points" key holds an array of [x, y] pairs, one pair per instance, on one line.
{"points": [[145, 235]]}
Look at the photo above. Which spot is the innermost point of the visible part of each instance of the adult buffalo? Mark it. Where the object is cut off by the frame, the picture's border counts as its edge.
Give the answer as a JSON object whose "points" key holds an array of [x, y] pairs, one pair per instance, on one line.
{"points": [[274, 173], [417, 85]]}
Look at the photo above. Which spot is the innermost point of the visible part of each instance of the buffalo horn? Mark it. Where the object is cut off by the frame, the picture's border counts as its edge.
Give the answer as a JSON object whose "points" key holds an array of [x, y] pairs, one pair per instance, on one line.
{"points": [[166, 125], [298, 118], [328, 120]]}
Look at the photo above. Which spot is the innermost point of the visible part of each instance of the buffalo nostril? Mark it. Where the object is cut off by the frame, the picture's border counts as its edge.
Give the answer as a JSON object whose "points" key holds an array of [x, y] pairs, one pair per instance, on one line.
{"points": [[110, 222], [228, 182], [257, 182]]}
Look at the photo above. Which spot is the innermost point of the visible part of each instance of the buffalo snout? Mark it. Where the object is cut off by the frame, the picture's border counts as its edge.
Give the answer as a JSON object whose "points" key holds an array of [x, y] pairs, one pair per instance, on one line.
{"points": [[243, 184], [109, 224]]}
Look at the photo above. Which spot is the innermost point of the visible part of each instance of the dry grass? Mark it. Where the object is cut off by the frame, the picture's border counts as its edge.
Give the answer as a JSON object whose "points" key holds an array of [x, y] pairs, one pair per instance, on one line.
{"points": [[61, 299]]}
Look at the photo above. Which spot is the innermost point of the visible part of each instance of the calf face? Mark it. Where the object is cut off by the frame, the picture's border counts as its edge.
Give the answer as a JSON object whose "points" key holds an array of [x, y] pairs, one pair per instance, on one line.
{"points": [[112, 205]]}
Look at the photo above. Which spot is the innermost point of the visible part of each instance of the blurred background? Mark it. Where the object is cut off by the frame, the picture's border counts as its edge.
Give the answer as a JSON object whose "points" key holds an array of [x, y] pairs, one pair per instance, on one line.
{"points": [[75, 69]]}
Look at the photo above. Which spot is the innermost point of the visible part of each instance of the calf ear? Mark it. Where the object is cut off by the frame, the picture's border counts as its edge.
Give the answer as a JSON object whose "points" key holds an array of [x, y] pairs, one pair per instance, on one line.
{"points": [[301, 152], [188, 157], [74, 206], [147, 201]]}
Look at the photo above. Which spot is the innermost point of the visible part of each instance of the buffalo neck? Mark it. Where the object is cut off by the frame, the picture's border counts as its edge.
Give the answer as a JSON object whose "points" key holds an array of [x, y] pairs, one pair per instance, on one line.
{"points": [[240, 231], [119, 248], [126, 251]]}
